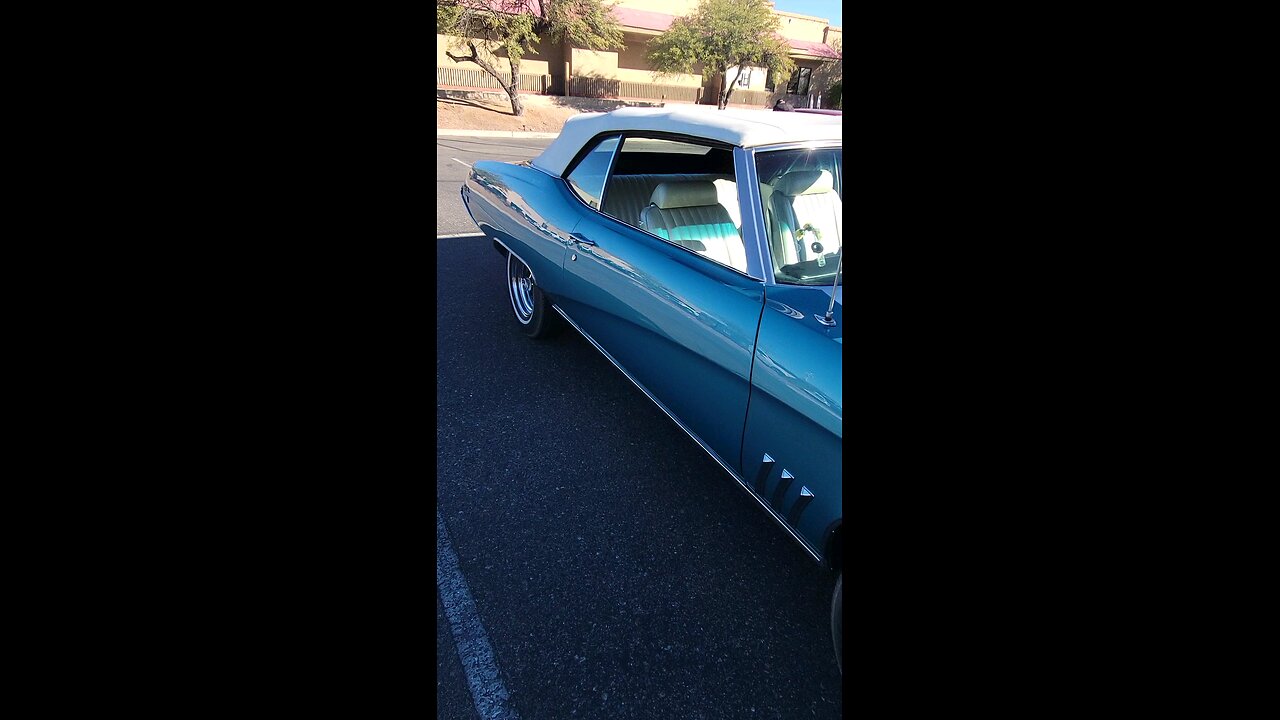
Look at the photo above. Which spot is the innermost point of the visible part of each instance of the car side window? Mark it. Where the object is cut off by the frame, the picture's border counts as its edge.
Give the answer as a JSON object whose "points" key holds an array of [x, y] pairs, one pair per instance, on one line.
{"points": [[801, 197], [683, 192], [587, 179]]}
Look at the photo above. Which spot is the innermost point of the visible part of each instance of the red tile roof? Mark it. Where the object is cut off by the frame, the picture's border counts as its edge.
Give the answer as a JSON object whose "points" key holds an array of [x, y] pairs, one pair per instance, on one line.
{"points": [[811, 47], [659, 21], [643, 18]]}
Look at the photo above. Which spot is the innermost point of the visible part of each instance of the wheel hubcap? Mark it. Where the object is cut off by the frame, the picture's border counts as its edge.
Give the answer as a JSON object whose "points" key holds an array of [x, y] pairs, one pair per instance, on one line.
{"points": [[520, 282]]}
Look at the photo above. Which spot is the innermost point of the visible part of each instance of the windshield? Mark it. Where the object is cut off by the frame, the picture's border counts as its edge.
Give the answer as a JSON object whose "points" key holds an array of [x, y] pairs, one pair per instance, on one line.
{"points": [[801, 191]]}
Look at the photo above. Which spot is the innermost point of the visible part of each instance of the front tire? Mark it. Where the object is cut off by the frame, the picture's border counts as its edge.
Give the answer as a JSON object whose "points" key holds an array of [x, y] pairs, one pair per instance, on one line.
{"points": [[837, 622], [528, 302]]}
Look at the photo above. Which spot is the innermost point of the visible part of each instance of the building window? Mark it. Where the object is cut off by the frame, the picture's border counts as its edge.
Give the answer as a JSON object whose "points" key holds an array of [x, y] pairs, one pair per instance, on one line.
{"points": [[744, 79], [769, 82], [799, 84]]}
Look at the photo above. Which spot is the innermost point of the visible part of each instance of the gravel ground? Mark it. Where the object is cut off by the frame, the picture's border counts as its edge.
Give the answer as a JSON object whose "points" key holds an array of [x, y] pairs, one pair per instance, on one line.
{"points": [[541, 114]]}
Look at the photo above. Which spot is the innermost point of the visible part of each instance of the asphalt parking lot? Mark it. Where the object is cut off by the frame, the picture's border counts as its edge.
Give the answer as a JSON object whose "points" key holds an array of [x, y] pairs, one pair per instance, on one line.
{"points": [[597, 563], [454, 155]]}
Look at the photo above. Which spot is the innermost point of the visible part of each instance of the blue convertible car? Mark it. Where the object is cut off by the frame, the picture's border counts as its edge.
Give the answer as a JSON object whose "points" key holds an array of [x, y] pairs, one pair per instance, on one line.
{"points": [[700, 252]]}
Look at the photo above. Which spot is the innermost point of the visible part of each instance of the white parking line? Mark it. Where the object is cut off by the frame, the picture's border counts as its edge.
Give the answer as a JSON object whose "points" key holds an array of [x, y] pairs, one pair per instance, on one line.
{"points": [[473, 233], [459, 161], [487, 691]]}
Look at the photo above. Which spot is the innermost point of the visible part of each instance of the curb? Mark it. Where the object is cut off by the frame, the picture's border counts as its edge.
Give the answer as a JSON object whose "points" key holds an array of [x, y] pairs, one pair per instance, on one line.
{"points": [[495, 133]]}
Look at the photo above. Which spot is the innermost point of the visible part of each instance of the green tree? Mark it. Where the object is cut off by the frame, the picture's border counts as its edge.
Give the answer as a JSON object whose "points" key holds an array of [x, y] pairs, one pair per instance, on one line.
{"points": [[513, 26], [835, 94], [721, 34]]}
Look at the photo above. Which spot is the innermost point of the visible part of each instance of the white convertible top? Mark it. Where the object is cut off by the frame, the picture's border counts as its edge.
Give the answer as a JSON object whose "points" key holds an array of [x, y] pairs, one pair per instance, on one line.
{"points": [[746, 128]]}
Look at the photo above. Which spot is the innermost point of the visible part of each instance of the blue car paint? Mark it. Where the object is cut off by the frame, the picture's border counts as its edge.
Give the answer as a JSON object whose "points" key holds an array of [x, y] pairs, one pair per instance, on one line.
{"points": [[796, 414], [527, 211], [720, 356], [630, 293]]}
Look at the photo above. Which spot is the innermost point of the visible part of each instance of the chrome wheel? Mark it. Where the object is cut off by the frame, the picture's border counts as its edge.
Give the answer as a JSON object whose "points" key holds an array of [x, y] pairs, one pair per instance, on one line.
{"points": [[520, 283], [530, 304]]}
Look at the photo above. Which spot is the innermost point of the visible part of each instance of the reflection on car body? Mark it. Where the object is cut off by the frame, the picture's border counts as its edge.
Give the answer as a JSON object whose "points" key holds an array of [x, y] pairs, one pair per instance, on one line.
{"points": [[663, 235]]}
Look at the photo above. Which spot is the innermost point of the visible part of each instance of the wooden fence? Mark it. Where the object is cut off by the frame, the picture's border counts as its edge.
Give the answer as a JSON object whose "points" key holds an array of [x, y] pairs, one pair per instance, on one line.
{"points": [[585, 86], [468, 78], [754, 98], [593, 87]]}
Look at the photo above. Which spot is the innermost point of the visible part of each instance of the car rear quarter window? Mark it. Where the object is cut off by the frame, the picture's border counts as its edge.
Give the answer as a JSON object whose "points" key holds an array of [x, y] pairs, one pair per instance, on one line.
{"points": [[587, 178]]}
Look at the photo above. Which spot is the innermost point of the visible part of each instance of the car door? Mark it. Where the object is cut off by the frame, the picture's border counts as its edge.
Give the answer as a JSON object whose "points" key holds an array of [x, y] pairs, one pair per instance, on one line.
{"points": [[679, 325], [792, 444], [792, 451]]}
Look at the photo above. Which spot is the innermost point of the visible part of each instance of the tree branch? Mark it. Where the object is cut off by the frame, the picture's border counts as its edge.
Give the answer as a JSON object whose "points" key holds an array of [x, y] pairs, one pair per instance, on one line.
{"points": [[475, 57], [733, 84]]}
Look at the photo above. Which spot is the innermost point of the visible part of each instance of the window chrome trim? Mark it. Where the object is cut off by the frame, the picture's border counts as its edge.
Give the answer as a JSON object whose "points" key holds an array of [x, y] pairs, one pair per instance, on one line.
{"points": [[777, 517], [608, 171], [544, 172], [799, 145], [754, 233]]}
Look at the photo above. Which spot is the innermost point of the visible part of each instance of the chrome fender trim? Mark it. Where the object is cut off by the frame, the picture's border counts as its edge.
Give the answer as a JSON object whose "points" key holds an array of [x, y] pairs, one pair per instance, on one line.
{"points": [[772, 513]]}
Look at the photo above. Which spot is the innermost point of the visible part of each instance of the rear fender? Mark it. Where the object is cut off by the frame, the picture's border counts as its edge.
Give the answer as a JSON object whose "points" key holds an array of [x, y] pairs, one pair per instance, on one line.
{"points": [[527, 211]]}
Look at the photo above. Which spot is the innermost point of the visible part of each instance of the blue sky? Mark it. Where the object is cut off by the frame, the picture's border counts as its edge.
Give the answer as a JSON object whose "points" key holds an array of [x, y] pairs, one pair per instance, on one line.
{"points": [[829, 9]]}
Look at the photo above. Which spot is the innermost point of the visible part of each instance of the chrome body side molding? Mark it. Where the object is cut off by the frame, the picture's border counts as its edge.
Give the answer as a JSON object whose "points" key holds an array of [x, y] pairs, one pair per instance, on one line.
{"points": [[817, 557]]}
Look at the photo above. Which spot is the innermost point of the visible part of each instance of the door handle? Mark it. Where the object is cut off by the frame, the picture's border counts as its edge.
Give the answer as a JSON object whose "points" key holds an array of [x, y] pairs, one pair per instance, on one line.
{"points": [[579, 237]]}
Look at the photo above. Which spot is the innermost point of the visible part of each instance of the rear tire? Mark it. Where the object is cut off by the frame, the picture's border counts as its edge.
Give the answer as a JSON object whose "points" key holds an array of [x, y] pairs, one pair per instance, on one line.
{"points": [[837, 622], [528, 302]]}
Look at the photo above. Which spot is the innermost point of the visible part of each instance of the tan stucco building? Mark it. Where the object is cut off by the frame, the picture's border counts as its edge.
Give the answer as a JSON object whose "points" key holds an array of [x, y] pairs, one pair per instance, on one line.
{"points": [[562, 69]]}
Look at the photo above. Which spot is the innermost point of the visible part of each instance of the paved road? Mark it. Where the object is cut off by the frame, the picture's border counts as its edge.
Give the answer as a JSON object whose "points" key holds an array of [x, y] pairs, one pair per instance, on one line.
{"points": [[616, 570], [450, 213]]}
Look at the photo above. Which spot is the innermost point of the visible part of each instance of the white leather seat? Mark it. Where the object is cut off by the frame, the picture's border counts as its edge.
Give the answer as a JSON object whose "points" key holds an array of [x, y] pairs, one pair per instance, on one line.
{"points": [[689, 214], [629, 194], [800, 198]]}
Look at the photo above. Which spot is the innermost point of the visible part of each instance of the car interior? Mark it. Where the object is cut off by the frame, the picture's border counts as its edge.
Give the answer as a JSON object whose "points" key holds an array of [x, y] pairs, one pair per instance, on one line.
{"points": [[689, 214], [801, 194], [697, 208]]}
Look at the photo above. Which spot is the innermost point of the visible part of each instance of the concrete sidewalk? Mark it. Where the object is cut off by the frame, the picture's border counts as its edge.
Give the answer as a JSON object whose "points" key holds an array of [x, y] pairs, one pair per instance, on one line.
{"points": [[494, 133]]}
